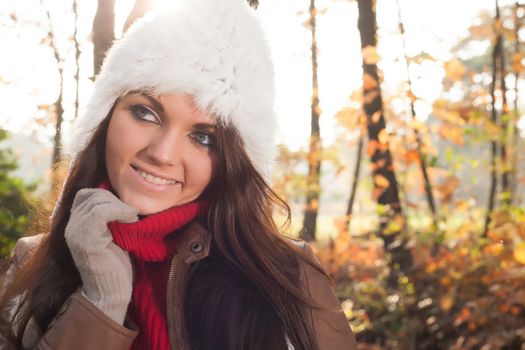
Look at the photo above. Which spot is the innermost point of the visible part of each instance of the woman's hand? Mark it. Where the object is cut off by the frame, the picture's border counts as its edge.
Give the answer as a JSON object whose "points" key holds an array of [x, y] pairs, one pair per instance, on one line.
{"points": [[105, 269]]}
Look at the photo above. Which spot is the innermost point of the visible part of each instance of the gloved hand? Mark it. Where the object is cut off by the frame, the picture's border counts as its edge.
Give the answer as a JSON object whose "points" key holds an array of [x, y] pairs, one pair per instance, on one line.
{"points": [[105, 269]]}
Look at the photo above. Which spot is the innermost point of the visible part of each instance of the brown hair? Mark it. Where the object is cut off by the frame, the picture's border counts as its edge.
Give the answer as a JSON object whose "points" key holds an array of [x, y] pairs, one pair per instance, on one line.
{"points": [[245, 237]]}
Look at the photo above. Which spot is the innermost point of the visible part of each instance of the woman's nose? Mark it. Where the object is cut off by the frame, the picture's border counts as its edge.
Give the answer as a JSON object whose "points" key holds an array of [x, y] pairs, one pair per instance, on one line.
{"points": [[165, 149]]}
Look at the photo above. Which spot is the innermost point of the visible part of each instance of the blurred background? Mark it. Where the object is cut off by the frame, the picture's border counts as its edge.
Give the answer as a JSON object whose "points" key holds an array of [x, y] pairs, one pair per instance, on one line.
{"points": [[401, 148]]}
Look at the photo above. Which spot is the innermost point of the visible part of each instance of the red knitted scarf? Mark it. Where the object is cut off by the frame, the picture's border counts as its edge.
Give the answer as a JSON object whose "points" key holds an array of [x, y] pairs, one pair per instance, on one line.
{"points": [[151, 246]]}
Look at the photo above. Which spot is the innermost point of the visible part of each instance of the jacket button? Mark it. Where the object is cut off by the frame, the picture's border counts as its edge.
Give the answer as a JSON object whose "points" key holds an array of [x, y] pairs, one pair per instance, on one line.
{"points": [[196, 247]]}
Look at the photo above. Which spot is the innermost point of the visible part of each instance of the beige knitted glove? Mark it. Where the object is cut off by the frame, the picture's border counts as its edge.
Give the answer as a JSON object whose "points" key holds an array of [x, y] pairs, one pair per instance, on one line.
{"points": [[105, 269]]}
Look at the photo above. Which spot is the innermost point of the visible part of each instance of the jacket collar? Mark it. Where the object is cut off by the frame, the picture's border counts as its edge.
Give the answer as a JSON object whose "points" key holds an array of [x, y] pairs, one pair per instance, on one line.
{"points": [[193, 243]]}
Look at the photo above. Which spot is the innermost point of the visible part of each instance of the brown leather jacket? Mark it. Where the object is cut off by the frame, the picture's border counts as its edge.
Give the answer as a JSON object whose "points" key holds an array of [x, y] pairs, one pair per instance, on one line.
{"points": [[80, 325]]}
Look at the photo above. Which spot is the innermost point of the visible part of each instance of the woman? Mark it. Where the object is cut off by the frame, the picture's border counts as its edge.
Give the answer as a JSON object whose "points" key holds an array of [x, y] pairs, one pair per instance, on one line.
{"points": [[163, 237]]}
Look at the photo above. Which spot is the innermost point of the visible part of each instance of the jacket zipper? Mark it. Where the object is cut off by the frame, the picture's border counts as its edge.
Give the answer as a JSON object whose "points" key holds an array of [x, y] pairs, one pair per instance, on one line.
{"points": [[170, 313]]}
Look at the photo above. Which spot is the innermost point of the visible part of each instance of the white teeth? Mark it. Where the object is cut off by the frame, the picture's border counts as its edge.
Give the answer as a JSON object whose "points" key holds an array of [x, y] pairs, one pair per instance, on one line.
{"points": [[155, 180]]}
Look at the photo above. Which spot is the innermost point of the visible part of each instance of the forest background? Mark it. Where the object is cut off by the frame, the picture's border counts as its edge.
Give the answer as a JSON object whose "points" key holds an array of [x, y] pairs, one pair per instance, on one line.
{"points": [[401, 150]]}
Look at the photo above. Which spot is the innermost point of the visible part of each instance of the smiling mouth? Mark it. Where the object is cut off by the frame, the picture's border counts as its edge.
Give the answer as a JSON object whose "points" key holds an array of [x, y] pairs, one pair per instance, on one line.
{"points": [[154, 179]]}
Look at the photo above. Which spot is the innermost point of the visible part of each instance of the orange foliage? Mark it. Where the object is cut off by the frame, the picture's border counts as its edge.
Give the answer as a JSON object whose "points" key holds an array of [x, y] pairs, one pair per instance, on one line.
{"points": [[468, 290], [369, 82], [454, 69], [370, 55], [412, 156], [452, 133]]}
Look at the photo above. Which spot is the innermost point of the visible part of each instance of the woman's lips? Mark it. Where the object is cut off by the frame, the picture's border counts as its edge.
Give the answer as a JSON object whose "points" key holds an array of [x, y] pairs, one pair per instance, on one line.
{"points": [[152, 181]]}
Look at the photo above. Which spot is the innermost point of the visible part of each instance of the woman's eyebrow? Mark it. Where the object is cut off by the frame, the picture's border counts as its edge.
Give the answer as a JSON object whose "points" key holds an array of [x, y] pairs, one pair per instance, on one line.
{"points": [[156, 103], [206, 126]]}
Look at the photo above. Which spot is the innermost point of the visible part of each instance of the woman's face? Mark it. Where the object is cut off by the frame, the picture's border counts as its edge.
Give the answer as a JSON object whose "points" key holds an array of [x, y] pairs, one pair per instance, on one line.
{"points": [[160, 151]]}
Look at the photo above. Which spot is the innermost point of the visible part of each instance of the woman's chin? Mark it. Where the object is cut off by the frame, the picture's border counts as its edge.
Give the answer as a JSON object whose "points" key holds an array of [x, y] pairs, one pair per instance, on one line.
{"points": [[143, 207], [145, 211], [146, 205]]}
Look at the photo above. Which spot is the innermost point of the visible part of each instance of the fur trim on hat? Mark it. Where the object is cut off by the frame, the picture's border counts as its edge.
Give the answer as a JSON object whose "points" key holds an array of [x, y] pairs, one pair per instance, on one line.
{"points": [[213, 50]]}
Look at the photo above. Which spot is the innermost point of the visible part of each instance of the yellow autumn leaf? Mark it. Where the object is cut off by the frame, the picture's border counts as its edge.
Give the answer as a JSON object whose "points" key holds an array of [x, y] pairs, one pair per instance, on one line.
{"points": [[445, 189], [400, 220], [314, 205], [464, 315], [349, 117], [446, 302], [412, 97], [369, 82], [486, 279], [494, 249], [519, 232], [451, 133], [394, 226], [463, 251], [519, 253], [315, 93], [376, 117], [493, 130], [515, 310], [481, 30], [461, 206], [497, 26], [454, 69], [370, 55], [431, 268], [517, 65], [383, 136], [454, 117], [500, 218], [412, 156], [445, 281], [381, 181], [372, 147]]}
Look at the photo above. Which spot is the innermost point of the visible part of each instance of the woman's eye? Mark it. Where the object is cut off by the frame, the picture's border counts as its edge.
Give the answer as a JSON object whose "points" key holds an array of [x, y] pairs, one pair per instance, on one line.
{"points": [[204, 138], [142, 113]]}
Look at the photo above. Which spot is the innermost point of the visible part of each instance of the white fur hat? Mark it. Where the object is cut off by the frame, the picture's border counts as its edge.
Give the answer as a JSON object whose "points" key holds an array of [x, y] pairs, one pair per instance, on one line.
{"points": [[214, 50]]}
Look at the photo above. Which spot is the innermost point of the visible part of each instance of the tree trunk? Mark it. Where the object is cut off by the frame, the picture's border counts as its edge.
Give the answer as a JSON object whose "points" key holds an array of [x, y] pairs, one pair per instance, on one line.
{"points": [[77, 58], [494, 114], [253, 3], [514, 135], [504, 124], [419, 143], [58, 109], [355, 180], [314, 155], [138, 10], [385, 184], [57, 141], [103, 32]]}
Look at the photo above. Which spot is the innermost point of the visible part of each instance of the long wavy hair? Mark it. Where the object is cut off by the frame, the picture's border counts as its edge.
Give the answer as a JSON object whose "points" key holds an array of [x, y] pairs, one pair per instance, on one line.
{"points": [[239, 217]]}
